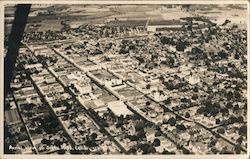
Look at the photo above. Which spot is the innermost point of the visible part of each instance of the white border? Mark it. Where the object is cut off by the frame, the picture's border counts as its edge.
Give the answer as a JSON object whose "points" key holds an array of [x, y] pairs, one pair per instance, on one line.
{"points": [[125, 2], [2, 77], [4, 2]]}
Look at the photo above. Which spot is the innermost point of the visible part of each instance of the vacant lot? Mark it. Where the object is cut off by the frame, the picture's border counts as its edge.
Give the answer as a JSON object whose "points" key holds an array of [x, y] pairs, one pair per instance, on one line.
{"points": [[53, 25]]}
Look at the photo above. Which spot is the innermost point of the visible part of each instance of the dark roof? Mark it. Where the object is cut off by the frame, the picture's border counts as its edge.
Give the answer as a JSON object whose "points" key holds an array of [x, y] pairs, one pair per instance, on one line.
{"points": [[166, 22], [126, 23], [172, 28]]}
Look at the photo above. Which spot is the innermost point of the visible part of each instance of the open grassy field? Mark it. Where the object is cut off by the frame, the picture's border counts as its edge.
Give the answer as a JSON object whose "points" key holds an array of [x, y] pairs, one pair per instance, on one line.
{"points": [[49, 17], [235, 13], [53, 25]]}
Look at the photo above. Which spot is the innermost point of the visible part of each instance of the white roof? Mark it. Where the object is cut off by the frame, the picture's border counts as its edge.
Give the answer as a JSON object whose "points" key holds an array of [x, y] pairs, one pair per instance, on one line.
{"points": [[119, 108]]}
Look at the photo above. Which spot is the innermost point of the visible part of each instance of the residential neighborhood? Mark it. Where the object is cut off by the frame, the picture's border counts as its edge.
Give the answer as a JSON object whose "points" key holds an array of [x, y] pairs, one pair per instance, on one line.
{"points": [[122, 85]]}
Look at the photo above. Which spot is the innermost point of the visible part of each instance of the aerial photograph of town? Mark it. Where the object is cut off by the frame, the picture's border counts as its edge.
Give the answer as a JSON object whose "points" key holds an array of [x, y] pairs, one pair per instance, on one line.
{"points": [[131, 79]]}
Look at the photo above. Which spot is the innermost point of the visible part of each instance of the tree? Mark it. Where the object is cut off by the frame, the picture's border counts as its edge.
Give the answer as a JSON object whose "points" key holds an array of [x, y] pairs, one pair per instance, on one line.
{"points": [[167, 40], [214, 111], [57, 143], [239, 140], [156, 142], [187, 115], [237, 149], [133, 137], [7, 106], [224, 110], [141, 134], [226, 22], [201, 110], [181, 127], [168, 152], [13, 142], [232, 119], [170, 61], [236, 107], [123, 51], [91, 143], [23, 136], [243, 130], [61, 151], [222, 54], [148, 103], [158, 133], [161, 78], [181, 46], [195, 97], [195, 89], [140, 59], [214, 150], [74, 151], [46, 141], [69, 106], [221, 130], [131, 47], [217, 121], [172, 121], [106, 34], [148, 86], [229, 105], [240, 119], [29, 106], [93, 136], [97, 44], [139, 126], [144, 148], [213, 142], [167, 101], [237, 56], [186, 151], [132, 151], [86, 151]]}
